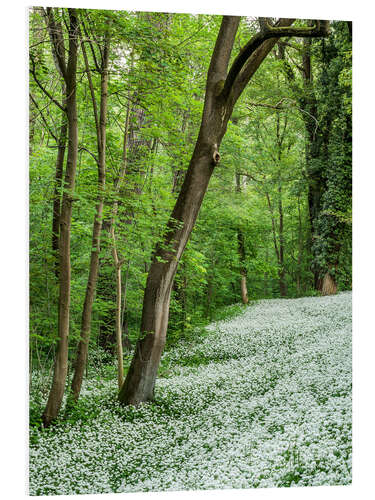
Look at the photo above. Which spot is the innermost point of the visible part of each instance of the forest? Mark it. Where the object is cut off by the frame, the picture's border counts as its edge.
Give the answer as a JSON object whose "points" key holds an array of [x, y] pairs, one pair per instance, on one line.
{"points": [[190, 208]]}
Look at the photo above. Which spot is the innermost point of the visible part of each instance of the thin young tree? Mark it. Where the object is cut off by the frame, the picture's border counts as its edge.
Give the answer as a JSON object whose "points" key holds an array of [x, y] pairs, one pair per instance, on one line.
{"points": [[58, 51], [69, 71], [118, 262], [223, 88], [100, 126], [55, 32], [241, 250]]}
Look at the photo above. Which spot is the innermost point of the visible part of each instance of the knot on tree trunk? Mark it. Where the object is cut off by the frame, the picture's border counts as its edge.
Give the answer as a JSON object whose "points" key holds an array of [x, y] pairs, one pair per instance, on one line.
{"points": [[215, 156]]}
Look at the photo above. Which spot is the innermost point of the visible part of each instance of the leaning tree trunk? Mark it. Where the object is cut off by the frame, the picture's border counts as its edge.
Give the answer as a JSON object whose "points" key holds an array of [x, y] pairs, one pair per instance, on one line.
{"points": [[222, 91], [140, 380], [61, 363]]}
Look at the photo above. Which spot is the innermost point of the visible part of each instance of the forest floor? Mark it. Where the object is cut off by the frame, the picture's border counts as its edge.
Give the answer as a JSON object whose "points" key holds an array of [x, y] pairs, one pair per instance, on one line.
{"points": [[260, 400]]}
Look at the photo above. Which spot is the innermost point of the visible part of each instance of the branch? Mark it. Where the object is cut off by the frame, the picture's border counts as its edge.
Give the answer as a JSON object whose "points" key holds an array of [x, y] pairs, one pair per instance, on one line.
{"points": [[284, 130], [82, 148], [32, 70], [296, 47], [89, 41], [92, 92], [264, 105], [190, 36], [223, 48], [57, 41], [42, 116], [281, 29], [246, 174]]}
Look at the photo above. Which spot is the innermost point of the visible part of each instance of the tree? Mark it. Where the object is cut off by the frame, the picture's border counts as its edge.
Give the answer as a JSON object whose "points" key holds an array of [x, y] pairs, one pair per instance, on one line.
{"points": [[222, 92], [55, 32], [319, 98], [332, 226], [100, 125], [68, 70], [241, 251]]}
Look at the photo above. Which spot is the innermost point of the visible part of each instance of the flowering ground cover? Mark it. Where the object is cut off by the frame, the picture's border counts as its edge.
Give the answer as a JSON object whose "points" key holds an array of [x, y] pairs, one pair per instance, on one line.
{"points": [[261, 400]]}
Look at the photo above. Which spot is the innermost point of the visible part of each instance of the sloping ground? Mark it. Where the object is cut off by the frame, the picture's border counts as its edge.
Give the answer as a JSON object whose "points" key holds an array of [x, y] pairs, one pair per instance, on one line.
{"points": [[269, 404]]}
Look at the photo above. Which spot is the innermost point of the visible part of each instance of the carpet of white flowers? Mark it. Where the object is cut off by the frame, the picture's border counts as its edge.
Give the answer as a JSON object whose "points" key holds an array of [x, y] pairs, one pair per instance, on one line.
{"points": [[262, 400]]}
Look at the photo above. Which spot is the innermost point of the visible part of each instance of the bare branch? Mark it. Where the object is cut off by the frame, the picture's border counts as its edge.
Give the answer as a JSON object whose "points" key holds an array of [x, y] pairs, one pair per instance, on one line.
{"points": [[42, 116], [92, 92], [82, 148], [57, 41], [33, 72], [265, 105], [89, 41]]}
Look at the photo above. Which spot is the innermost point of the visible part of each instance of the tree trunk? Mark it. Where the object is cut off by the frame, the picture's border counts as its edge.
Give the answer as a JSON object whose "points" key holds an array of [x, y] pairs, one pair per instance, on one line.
{"points": [[280, 139], [209, 297], [222, 91], [282, 282], [58, 52], [329, 286], [117, 262], [110, 331], [83, 345], [61, 363], [241, 251], [243, 271], [126, 344], [308, 106], [32, 120], [107, 294], [120, 355], [140, 380], [300, 248], [57, 192], [266, 278]]}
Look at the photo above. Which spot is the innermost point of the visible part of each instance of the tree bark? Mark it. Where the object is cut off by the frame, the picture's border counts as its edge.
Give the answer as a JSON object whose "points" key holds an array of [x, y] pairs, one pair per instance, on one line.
{"points": [[241, 252], [61, 363], [82, 349], [222, 92], [329, 286], [32, 120], [300, 248], [279, 138], [58, 52], [309, 113], [117, 261], [59, 170]]}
